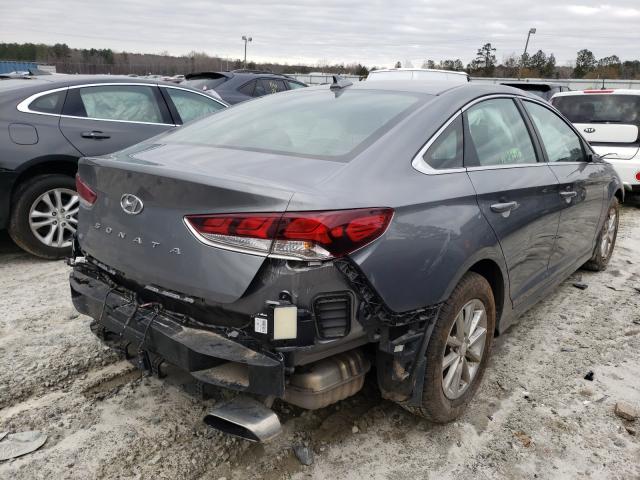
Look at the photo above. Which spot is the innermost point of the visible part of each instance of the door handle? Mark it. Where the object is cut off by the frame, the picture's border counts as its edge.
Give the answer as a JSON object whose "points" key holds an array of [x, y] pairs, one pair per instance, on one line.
{"points": [[95, 134], [569, 194], [504, 207]]}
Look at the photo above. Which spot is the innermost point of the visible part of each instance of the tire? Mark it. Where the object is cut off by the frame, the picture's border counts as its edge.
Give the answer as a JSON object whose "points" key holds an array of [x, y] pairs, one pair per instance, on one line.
{"points": [[28, 200], [608, 234], [437, 405]]}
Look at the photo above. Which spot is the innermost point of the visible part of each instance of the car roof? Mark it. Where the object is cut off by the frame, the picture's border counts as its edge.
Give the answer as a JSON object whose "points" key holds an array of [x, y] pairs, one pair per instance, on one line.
{"points": [[37, 83], [418, 70], [439, 88], [603, 91], [525, 82]]}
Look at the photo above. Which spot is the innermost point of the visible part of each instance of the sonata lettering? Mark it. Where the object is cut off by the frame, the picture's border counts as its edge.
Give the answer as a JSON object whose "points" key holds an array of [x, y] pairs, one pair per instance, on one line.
{"points": [[139, 240]]}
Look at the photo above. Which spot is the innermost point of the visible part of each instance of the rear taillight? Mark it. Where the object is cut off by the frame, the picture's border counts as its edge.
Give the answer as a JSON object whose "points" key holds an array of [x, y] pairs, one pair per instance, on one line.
{"points": [[87, 196], [638, 176], [293, 235]]}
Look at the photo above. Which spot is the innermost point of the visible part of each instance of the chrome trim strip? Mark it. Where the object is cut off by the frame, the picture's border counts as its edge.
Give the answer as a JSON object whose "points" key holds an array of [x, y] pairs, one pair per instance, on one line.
{"points": [[423, 167], [513, 165], [420, 165], [23, 106]]}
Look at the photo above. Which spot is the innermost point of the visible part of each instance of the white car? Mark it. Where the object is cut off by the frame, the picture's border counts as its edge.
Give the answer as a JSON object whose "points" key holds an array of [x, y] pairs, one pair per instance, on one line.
{"points": [[610, 121], [422, 74]]}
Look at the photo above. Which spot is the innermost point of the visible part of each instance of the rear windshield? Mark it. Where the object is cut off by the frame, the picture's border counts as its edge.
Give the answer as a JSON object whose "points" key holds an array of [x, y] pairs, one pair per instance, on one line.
{"points": [[205, 83], [600, 108], [541, 91], [318, 124]]}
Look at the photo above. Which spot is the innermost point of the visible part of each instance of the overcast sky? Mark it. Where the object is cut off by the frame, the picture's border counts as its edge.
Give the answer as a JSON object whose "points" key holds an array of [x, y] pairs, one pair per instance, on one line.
{"points": [[308, 31]]}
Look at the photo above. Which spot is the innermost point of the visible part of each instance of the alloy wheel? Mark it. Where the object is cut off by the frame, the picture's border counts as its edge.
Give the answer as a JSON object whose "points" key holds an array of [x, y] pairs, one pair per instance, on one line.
{"points": [[53, 217], [609, 233], [464, 349]]}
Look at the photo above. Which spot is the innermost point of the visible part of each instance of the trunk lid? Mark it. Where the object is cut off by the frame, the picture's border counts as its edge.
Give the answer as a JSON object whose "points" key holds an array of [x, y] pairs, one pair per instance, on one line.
{"points": [[608, 132], [155, 247]]}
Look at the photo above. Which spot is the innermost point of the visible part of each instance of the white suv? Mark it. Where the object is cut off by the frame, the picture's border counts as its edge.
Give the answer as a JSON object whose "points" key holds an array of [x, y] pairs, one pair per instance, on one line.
{"points": [[422, 74], [610, 121]]}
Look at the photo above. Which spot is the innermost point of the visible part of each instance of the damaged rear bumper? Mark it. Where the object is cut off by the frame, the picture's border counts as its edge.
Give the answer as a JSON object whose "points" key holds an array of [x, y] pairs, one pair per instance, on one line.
{"points": [[210, 356]]}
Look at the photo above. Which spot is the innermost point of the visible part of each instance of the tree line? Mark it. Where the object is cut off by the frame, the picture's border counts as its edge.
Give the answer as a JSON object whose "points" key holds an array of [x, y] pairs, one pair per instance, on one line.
{"points": [[540, 65], [96, 61], [100, 61]]}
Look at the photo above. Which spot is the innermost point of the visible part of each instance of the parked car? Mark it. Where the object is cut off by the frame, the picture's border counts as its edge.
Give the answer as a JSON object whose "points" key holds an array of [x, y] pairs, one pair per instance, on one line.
{"points": [[281, 247], [421, 74], [48, 122], [544, 90], [241, 85], [610, 121]]}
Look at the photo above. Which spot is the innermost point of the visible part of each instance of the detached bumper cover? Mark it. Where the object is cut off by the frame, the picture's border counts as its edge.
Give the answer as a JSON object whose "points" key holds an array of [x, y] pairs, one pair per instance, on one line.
{"points": [[209, 356]]}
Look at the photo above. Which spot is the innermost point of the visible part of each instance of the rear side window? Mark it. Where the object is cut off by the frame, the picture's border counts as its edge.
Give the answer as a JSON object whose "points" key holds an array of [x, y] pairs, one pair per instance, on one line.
{"points": [[447, 150], [499, 135], [133, 103], [267, 86], [191, 105], [50, 103], [560, 142], [248, 88], [600, 108], [294, 85]]}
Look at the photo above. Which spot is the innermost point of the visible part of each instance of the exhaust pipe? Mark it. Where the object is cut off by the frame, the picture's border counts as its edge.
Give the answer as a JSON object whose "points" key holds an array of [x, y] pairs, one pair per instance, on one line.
{"points": [[246, 418]]}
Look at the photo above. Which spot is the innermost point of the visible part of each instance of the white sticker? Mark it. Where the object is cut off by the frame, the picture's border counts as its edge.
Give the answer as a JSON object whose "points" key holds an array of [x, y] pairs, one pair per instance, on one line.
{"points": [[261, 325]]}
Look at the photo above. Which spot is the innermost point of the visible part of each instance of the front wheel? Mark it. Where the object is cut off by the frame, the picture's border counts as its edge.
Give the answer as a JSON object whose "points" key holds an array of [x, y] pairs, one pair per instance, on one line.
{"points": [[606, 239], [44, 215], [458, 350]]}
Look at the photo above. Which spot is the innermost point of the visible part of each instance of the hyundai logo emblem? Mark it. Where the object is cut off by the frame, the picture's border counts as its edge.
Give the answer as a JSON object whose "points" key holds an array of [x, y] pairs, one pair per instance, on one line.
{"points": [[589, 130], [131, 204]]}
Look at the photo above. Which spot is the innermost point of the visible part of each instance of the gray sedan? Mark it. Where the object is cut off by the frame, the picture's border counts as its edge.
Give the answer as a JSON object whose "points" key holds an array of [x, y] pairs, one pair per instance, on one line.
{"points": [[283, 246], [47, 122]]}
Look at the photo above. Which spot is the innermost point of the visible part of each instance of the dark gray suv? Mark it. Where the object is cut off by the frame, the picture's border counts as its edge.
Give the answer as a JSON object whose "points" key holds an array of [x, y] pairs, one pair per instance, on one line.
{"points": [[241, 85], [285, 245], [48, 122]]}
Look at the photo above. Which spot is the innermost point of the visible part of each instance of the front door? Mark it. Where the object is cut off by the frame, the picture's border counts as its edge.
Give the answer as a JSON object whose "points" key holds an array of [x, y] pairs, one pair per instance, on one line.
{"points": [[582, 186], [102, 119], [515, 189]]}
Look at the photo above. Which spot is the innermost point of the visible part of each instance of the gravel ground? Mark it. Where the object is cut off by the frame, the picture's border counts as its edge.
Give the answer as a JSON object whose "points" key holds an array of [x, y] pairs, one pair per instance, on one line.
{"points": [[534, 417]]}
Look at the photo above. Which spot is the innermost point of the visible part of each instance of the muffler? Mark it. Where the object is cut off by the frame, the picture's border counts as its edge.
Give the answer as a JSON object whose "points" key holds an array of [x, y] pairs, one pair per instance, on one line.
{"points": [[246, 418]]}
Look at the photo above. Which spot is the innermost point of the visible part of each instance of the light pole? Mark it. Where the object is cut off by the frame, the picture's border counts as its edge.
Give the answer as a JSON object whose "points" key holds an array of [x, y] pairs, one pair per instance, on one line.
{"points": [[532, 31], [246, 39]]}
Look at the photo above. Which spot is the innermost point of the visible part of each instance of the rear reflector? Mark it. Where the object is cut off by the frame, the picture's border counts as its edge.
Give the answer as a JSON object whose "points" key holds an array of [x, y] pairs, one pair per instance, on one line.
{"points": [[87, 196], [293, 235], [638, 176]]}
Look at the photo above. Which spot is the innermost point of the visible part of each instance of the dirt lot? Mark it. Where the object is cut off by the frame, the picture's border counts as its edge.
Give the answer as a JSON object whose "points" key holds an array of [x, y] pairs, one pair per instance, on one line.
{"points": [[535, 416]]}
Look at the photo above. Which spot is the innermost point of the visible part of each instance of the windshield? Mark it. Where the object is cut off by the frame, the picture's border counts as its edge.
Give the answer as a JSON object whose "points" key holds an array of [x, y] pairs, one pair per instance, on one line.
{"points": [[318, 123], [600, 108]]}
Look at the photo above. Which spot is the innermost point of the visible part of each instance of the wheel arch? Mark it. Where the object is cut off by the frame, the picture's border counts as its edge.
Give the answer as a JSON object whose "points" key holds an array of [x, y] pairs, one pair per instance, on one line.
{"points": [[48, 164], [492, 273]]}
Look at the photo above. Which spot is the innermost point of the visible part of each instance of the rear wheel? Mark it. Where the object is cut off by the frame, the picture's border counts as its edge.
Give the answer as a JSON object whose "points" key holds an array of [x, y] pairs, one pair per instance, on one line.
{"points": [[606, 239], [45, 215], [458, 350]]}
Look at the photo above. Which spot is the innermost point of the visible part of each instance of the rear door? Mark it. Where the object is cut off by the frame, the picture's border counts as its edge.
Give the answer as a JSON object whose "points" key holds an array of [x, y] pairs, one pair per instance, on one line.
{"points": [[101, 119], [516, 190], [582, 186]]}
